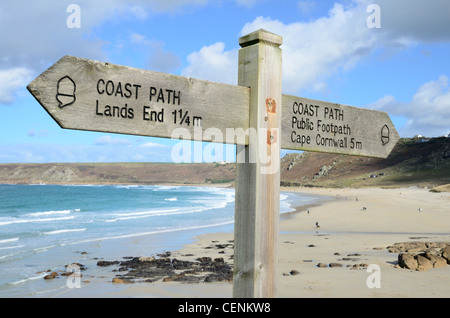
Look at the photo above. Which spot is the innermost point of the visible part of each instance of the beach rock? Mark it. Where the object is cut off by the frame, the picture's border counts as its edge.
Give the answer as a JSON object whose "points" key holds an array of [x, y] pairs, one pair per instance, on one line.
{"points": [[107, 263], [204, 269], [415, 247], [422, 255], [121, 281], [177, 264], [436, 260], [407, 261], [204, 259], [72, 274], [51, 276], [358, 266], [322, 265], [354, 259], [218, 278], [335, 265], [222, 246], [81, 267], [172, 278], [151, 272], [446, 253], [146, 259], [165, 254], [424, 262]]}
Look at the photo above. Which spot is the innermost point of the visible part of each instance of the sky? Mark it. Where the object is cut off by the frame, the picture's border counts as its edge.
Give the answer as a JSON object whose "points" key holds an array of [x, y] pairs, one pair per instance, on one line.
{"points": [[387, 55]]}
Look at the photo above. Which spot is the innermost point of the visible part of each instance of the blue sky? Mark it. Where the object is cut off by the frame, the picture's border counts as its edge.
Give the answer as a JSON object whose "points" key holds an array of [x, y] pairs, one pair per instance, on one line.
{"points": [[329, 53]]}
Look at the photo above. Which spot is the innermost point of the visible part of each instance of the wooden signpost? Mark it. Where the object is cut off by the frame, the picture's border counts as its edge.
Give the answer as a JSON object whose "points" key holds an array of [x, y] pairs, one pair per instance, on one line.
{"points": [[89, 95], [314, 125]]}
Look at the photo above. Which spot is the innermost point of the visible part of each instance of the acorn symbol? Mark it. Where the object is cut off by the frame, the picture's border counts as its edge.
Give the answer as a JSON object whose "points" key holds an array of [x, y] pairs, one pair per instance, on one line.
{"points": [[384, 135], [65, 91]]}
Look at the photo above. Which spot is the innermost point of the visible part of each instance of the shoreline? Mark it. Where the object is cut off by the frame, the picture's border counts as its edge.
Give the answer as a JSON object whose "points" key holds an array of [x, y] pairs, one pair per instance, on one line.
{"points": [[113, 250], [348, 235]]}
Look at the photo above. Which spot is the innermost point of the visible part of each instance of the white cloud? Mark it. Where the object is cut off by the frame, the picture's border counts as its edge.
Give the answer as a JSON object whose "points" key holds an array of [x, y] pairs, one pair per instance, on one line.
{"points": [[11, 80], [151, 145], [213, 63], [428, 112], [35, 34], [316, 50], [108, 140], [159, 59], [137, 38], [139, 12], [417, 20], [313, 51]]}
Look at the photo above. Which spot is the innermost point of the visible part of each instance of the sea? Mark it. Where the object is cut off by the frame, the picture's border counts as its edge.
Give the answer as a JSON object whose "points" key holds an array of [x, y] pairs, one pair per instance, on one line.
{"points": [[43, 228]]}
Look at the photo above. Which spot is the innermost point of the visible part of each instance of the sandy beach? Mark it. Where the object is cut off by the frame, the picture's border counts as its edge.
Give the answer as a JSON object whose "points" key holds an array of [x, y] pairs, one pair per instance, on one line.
{"points": [[356, 227]]}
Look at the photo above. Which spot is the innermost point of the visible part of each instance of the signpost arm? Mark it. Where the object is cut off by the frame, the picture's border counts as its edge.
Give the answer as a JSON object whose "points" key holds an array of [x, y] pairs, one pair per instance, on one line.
{"points": [[258, 176]]}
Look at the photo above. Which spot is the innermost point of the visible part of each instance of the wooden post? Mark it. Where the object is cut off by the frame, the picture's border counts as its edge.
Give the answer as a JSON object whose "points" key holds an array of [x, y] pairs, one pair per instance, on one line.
{"points": [[258, 169]]}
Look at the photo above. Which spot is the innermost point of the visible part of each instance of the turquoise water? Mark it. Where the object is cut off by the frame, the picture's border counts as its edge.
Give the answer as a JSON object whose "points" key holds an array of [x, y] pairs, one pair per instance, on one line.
{"points": [[46, 226]]}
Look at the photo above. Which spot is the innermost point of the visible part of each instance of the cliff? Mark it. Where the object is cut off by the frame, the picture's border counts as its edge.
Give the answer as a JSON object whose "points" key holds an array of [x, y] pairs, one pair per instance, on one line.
{"points": [[413, 162]]}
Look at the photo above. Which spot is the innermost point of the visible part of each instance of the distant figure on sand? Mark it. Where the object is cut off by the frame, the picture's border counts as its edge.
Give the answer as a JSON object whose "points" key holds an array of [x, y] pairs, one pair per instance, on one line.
{"points": [[317, 225]]}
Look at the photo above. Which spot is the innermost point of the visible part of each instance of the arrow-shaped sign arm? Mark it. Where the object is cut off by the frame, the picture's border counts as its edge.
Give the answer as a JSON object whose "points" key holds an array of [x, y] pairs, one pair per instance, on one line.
{"points": [[90, 95], [314, 125]]}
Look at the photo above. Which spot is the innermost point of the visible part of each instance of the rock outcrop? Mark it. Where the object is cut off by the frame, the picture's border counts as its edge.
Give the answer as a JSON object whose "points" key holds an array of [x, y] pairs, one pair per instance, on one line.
{"points": [[422, 256], [150, 269]]}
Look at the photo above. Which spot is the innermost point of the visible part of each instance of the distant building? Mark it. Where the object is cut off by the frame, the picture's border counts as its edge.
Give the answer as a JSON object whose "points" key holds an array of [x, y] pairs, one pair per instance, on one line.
{"points": [[420, 138]]}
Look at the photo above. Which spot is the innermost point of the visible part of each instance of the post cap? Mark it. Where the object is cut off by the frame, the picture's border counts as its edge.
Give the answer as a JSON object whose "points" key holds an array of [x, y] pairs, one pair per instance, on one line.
{"points": [[261, 36]]}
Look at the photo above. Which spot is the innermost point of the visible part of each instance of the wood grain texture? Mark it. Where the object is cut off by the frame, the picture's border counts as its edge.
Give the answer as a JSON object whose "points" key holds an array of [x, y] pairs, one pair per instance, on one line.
{"points": [[119, 99], [319, 126], [257, 170]]}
